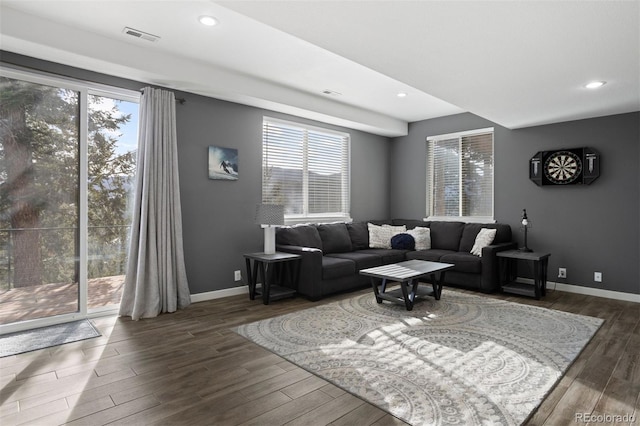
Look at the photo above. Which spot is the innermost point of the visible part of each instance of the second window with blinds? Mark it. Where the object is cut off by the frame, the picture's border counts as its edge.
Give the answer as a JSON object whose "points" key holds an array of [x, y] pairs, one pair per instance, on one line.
{"points": [[460, 176], [306, 169]]}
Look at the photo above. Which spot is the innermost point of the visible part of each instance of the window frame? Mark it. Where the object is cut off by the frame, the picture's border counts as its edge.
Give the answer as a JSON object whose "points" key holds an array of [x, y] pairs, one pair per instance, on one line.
{"points": [[306, 217], [430, 171]]}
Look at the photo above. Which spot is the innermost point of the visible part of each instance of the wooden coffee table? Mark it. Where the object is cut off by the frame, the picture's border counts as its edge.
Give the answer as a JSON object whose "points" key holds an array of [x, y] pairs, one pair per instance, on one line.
{"points": [[408, 274]]}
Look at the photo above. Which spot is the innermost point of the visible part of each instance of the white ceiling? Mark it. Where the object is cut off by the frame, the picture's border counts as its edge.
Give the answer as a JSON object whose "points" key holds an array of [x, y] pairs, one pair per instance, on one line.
{"points": [[516, 63]]}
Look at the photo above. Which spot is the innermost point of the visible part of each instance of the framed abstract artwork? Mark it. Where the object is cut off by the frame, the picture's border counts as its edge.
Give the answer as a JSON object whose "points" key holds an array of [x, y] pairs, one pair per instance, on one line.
{"points": [[223, 163]]}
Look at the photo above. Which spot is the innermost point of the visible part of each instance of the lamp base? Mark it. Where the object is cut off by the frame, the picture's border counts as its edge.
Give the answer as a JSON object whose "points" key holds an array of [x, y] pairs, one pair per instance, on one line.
{"points": [[269, 239], [525, 249]]}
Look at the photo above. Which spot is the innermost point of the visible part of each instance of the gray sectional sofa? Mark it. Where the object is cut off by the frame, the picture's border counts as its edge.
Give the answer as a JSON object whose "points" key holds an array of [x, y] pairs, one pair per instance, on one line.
{"points": [[333, 254]]}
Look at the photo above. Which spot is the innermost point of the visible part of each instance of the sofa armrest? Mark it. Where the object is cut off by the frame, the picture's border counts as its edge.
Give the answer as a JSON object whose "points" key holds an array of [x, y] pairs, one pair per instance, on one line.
{"points": [[490, 280], [491, 250], [310, 269]]}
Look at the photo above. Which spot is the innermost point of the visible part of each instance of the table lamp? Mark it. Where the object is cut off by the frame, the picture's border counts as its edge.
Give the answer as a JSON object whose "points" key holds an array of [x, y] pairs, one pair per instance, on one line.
{"points": [[525, 225], [269, 216]]}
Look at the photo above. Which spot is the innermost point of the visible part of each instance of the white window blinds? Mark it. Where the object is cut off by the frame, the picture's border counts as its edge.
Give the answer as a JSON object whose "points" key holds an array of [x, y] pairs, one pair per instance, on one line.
{"points": [[306, 169], [460, 175]]}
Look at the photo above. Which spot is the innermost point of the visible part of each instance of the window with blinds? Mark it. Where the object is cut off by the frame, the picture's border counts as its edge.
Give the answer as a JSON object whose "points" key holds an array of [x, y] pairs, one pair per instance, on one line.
{"points": [[306, 169], [460, 176]]}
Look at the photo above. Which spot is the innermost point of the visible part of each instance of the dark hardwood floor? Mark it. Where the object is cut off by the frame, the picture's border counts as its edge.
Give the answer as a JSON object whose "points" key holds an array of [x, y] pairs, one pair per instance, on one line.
{"points": [[189, 368]]}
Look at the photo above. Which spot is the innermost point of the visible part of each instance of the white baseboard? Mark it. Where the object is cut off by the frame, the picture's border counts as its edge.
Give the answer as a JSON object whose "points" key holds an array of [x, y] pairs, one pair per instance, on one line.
{"points": [[589, 291], [598, 292], [218, 294]]}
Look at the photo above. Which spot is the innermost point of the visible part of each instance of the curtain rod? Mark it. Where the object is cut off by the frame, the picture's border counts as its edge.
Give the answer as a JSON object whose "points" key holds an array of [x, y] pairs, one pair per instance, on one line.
{"points": [[179, 100]]}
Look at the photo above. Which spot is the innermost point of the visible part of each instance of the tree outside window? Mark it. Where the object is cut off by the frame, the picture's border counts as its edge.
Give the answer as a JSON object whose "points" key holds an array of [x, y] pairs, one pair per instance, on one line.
{"points": [[39, 182], [460, 176]]}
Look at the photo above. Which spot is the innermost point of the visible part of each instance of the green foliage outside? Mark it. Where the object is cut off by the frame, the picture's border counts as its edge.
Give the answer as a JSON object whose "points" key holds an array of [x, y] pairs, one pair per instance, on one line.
{"points": [[39, 185]]}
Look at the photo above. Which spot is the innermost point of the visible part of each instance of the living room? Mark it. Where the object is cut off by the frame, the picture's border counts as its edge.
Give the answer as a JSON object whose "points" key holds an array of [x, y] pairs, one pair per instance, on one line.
{"points": [[388, 176], [565, 220]]}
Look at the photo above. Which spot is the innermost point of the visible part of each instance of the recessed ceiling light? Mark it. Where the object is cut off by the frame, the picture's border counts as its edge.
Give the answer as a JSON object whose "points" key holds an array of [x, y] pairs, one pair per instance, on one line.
{"points": [[209, 21], [402, 95], [595, 84]]}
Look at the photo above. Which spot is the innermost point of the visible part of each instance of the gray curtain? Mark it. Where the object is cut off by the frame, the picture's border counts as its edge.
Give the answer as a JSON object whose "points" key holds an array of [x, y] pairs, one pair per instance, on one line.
{"points": [[156, 279]]}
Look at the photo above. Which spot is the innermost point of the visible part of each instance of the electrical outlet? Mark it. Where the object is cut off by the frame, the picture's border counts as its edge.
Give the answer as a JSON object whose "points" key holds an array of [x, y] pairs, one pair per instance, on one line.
{"points": [[562, 272], [597, 277], [237, 275]]}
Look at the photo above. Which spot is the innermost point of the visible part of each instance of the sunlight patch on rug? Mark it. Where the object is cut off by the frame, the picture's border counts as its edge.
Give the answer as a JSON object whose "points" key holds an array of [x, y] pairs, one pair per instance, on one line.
{"points": [[462, 360]]}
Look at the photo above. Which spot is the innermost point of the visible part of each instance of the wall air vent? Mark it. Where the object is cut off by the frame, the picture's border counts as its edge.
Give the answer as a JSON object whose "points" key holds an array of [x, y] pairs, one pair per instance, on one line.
{"points": [[140, 34]]}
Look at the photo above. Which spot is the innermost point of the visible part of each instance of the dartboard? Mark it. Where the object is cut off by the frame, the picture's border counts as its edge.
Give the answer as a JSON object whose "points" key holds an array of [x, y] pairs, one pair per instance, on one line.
{"points": [[562, 167]]}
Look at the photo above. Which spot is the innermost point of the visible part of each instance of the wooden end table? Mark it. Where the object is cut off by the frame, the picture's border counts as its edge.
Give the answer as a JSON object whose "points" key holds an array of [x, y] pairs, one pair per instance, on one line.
{"points": [[408, 274], [285, 266], [508, 268]]}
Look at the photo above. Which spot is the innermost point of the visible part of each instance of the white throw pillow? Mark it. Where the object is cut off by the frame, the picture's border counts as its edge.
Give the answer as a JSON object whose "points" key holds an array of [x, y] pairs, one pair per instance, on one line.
{"points": [[422, 236], [380, 236], [483, 239]]}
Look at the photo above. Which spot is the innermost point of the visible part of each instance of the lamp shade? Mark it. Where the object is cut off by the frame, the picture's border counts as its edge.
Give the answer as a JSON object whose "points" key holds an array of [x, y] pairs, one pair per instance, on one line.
{"points": [[269, 214]]}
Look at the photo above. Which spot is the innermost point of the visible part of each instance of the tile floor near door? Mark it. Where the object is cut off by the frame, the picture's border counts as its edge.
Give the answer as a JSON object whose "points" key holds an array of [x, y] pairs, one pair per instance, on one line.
{"points": [[189, 368]]}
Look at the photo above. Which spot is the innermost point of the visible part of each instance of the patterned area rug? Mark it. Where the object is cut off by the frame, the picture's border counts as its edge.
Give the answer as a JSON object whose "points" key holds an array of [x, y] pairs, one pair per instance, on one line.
{"points": [[44, 337], [462, 360]]}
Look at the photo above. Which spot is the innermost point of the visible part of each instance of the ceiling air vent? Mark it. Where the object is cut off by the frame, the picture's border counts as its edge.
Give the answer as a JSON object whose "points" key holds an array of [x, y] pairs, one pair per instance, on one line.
{"points": [[140, 34], [331, 92]]}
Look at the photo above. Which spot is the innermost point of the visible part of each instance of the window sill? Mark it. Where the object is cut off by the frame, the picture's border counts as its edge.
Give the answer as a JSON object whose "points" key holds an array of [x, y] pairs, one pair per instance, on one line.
{"points": [[297, 220], [467, 219]]}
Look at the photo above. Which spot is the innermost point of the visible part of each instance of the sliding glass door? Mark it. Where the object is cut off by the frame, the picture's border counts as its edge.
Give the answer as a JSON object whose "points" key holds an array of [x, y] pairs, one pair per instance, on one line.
{"points": [[112, 145], [67, 160]]}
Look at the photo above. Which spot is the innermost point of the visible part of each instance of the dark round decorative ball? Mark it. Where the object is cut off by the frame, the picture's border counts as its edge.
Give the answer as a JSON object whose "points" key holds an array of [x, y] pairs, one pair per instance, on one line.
{"points": [[403, 242]]}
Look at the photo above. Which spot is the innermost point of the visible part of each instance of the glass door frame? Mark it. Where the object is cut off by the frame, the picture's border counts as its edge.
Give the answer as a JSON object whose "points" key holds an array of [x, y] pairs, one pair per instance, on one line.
{"points": [[84, 89]]}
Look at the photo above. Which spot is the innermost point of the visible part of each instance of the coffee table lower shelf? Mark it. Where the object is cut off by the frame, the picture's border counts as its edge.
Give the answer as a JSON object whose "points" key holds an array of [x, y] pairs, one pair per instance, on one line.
{"points": [[396, 295]]}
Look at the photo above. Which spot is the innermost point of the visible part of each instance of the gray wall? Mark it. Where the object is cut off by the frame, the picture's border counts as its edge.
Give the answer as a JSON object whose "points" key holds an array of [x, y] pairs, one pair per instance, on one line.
{"points": [[218, 215], [586, 228]]}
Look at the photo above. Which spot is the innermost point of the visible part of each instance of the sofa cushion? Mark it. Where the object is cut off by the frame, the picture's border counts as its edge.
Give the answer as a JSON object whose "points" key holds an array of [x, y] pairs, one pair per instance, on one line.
{"points": [[335, 238], [380, 236], [465, 262], [362, 260], [504, 232], [432, 255], [446, 235], [403, 242], [359, 234], [483, 239], [387, 255], [469, 236], [333, 267], [422, 236], [301, 235]]}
